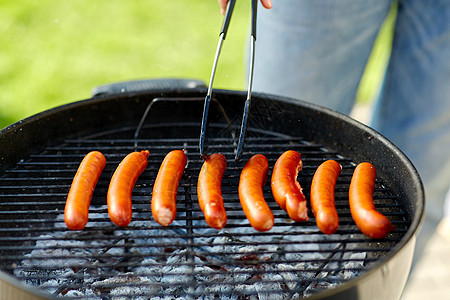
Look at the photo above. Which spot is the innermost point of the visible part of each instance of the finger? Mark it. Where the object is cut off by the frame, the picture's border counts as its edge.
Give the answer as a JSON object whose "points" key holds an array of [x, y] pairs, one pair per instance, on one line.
{"points": [[266, 3], [223, 5]]}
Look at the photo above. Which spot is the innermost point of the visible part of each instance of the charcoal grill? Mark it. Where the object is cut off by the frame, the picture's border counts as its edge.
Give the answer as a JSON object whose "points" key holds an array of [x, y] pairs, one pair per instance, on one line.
{"points": [[41, 258]]}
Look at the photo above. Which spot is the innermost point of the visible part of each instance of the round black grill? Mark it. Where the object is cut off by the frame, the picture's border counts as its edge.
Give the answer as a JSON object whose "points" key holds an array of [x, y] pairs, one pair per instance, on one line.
{"points": [[187, 259]]}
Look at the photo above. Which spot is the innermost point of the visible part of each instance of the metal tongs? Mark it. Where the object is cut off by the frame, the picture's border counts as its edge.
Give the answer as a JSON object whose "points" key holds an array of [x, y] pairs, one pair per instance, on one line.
{"points": [[223, 33]]}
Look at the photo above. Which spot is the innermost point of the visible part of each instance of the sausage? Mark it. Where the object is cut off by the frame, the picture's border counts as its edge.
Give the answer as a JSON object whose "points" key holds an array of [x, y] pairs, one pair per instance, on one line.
{"points": [[209, 190], [164, 196], [371, 222], [286, 189], [251, 183], [76, 211], [121, 187], [322, 196]]}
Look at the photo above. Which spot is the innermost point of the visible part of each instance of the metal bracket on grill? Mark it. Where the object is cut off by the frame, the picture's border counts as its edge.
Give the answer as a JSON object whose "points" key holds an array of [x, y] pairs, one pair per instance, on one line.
{"points": [[175, 99]]}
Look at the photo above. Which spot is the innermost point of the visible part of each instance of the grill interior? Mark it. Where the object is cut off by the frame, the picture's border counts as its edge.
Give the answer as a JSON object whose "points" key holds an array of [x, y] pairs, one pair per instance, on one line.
{"points": [[187, 259]]}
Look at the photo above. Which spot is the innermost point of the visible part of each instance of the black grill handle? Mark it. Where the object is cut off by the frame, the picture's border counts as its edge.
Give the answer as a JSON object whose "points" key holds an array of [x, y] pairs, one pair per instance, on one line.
{"points": [[137, 86]]}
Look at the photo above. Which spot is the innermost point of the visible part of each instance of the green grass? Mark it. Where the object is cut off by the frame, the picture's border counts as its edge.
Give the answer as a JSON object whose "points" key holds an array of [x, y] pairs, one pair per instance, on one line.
{"points": [[53, 52]]}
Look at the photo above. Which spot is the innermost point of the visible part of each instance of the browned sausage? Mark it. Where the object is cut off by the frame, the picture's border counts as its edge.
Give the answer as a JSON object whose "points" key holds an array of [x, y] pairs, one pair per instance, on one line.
{"points": [[286, 189], [371, 222], [121, 187], [209, 190], [164, 196], [76, 211], [322, 196], [251, 183]]}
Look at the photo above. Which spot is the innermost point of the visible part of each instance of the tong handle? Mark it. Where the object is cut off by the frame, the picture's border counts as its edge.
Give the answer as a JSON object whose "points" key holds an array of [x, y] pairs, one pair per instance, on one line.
{"points": [[247, 104], [254, 11], [227, 19], [223, 32]]}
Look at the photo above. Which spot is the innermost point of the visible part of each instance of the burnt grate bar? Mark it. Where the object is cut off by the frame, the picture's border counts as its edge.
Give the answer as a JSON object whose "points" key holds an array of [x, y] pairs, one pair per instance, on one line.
{"points": [[187, 259]]}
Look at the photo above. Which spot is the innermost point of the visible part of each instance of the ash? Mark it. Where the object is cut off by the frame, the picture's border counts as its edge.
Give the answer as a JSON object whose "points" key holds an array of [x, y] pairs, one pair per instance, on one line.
{"points": [[171, 263]]}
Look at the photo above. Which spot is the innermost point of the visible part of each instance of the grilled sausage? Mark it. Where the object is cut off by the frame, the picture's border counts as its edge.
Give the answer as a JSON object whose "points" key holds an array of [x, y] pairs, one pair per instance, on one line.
{"points": [[322, 196], [209, 190], [121, 187], [164, 196], [251, 183], [286, 189], [76, 211], [371, 222]]}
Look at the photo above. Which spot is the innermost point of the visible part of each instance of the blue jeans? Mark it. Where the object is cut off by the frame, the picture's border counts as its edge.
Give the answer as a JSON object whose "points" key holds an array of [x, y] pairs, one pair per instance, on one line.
{"points": [[316, 51]]}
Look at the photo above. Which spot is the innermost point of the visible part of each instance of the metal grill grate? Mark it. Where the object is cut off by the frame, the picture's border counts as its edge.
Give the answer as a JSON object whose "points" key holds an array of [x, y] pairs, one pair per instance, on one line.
{"points": [[187, 259]]}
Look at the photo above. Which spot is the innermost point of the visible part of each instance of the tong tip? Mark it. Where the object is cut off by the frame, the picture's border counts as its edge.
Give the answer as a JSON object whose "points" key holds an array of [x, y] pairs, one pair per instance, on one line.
{"points": [[204, 124], [238, 153], [240, 145]]}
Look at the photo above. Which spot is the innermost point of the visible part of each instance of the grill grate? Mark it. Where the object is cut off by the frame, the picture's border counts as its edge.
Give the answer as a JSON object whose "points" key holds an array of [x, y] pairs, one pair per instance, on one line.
{"points": [[188, 258]]}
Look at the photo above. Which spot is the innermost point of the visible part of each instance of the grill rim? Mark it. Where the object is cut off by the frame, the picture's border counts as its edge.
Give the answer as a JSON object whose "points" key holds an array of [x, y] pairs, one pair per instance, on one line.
{"points": [[44, 122]]}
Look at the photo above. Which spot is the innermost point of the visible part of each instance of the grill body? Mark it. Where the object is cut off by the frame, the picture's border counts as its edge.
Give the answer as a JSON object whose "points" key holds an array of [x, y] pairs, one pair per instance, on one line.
{"points": [[39, 157]]}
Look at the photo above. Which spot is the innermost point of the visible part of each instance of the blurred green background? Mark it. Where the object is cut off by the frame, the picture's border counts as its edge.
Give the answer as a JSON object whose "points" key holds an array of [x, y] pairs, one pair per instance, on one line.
{"points": [[53, 52]]}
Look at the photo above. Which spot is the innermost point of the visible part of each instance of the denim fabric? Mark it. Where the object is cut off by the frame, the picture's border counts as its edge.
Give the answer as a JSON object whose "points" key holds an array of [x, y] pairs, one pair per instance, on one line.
{"points": [[316, 50], [413, 109]]}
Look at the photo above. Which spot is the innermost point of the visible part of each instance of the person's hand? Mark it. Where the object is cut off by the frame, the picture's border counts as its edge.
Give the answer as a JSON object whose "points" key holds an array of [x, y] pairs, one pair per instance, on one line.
{"points": [[223, 5]]}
